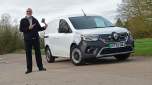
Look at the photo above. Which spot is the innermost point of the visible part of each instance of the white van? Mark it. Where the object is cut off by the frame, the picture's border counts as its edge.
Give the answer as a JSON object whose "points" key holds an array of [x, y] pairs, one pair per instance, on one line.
{"points": [[81, 37]]}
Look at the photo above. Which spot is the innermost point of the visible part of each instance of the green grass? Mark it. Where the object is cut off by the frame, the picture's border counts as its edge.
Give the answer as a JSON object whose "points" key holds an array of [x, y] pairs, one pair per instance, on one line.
{"points": [[143, 47]]}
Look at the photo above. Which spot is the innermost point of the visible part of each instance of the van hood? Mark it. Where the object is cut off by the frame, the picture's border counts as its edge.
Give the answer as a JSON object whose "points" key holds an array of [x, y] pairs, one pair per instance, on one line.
{"points": [[107, 30]]}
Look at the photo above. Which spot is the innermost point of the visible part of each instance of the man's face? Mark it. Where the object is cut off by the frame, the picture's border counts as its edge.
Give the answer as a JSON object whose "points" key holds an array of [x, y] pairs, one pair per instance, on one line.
{"points": [[29, 12]]}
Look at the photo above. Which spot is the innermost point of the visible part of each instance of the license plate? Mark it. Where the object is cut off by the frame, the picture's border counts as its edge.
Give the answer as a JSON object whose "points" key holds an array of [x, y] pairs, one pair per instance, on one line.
{"points": [[117, 45]]}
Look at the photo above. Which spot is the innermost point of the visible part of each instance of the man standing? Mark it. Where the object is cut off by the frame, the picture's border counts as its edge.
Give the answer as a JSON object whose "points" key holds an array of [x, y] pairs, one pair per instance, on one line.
{"points": [[30, 28]]}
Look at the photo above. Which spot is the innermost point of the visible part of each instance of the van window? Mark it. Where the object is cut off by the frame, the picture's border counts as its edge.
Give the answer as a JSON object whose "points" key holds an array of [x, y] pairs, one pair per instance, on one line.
{"points": [[64, 27], [90, 22], [99, 23]]}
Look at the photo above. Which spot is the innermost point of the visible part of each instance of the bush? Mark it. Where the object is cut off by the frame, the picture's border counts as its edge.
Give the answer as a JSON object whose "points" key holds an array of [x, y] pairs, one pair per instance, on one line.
{"points": [[42, 43], [10, 37], [10, 40], [139, 27]]}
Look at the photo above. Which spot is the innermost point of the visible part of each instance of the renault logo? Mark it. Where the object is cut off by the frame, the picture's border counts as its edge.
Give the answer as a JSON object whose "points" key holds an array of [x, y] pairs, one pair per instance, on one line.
{"points": [[115, 36]]}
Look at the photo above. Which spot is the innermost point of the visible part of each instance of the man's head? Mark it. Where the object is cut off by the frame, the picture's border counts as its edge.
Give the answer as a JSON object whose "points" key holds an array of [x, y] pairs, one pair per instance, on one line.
{"points": [[29, 12]]}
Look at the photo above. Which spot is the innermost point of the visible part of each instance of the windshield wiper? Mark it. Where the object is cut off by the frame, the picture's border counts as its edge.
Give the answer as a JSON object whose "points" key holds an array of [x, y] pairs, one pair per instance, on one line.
{"points": [[110, 26], [98, 27]]}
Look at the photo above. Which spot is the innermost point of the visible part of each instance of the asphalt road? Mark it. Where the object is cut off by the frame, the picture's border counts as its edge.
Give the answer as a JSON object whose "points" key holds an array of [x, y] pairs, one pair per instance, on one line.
{"points": [[134, 71]]}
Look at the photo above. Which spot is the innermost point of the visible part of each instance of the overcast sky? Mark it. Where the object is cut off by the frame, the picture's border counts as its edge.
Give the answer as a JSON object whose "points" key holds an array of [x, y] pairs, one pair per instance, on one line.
{"points": [[53, 8]]}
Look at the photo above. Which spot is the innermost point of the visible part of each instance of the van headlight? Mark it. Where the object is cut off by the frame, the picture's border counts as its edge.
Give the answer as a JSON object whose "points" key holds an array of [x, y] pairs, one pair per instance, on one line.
{"points": [[90, 37]]}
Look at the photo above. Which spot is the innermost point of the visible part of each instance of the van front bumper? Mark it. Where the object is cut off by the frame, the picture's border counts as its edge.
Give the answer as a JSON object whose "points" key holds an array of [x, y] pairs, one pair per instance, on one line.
{"points": [[97, 49]]}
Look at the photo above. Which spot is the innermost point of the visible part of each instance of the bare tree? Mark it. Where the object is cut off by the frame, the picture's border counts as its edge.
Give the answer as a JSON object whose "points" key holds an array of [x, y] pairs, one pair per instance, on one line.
{"points": [[133, 8], [5, 20]]}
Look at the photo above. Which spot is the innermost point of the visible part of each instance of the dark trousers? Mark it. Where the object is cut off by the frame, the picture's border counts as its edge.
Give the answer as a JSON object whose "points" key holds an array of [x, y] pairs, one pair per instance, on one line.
{"points": [[28, 48]]}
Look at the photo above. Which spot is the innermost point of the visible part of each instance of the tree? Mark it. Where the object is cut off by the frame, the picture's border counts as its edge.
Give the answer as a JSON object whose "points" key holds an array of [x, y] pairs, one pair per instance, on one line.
{"points": [[119, 23], [5, 19], [10, 37], [133, 8], [137, 16]]}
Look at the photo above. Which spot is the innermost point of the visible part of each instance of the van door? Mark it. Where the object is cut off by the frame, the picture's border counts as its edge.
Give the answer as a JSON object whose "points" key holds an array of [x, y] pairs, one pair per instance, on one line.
{"points": [[64, 39], [51, 34]]}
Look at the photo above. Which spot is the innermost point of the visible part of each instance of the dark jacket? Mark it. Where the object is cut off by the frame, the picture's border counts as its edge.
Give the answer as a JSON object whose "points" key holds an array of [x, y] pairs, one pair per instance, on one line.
{"points": [[33, 33]]}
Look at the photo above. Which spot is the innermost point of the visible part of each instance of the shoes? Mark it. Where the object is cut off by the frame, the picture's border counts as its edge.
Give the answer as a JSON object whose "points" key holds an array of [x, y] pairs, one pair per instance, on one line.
{"points": [[43, 69], [27, 72]]}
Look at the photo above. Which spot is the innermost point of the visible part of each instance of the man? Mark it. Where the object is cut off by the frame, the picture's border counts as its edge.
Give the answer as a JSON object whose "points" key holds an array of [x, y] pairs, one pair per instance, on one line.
{"points": [[30, 28]]}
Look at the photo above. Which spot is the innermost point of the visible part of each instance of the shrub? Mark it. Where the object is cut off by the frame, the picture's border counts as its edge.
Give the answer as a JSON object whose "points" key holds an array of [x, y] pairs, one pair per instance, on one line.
{"points": [[10, 40]]}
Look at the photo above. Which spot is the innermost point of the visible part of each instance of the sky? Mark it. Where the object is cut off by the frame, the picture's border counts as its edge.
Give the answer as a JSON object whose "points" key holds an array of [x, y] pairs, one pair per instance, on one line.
{"points": [[50, 9]]}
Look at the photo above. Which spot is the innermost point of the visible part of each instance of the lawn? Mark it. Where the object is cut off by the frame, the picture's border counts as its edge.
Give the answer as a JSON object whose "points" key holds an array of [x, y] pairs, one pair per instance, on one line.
{"points": [[143, 47]]}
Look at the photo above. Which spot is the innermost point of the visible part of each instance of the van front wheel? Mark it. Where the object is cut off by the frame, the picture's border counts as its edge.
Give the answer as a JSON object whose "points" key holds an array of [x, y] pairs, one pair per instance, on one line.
{"points": [[76, 56], [49, 57]]}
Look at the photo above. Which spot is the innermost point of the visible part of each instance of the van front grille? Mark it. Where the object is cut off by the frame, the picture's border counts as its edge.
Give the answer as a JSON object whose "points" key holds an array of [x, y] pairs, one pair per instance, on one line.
{"points": [[108, 37]]}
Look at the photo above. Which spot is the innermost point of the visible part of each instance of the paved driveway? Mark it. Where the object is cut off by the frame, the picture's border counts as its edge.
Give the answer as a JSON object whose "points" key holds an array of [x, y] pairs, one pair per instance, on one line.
{"points": [[135, 71]]}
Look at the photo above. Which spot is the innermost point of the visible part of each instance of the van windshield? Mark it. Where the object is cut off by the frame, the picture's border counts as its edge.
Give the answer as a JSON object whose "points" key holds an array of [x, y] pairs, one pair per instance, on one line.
{"points": [[90, 22]]}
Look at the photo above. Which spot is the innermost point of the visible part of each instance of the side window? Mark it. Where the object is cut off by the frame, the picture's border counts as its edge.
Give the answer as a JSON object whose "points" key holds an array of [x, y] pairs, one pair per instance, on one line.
{"points": [[64, 27]]}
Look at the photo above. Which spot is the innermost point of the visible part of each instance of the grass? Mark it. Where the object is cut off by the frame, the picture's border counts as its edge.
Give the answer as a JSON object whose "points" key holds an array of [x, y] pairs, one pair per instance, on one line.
{"points": [[143, 47]]}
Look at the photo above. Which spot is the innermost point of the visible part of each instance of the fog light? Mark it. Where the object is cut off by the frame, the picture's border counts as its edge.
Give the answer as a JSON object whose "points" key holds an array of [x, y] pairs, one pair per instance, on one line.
{"points": [[90, 50]]}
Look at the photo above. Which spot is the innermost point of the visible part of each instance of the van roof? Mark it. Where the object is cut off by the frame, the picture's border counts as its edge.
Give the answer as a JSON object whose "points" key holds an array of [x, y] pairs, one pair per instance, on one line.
{"points": [[74, 15]]}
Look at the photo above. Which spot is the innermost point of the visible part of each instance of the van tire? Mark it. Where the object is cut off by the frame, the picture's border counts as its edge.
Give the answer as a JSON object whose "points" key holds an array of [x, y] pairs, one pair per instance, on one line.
{"points": [[76, 56], [122, 57], [49, 57]]}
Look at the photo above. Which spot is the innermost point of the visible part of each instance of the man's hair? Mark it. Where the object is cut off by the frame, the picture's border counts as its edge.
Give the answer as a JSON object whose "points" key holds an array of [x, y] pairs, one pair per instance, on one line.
{"points": [[29, 9]]}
